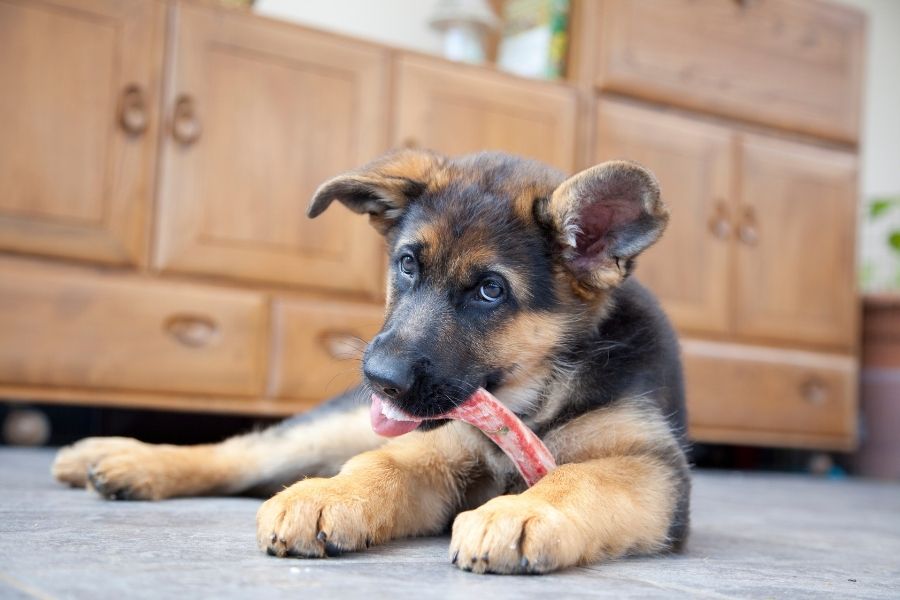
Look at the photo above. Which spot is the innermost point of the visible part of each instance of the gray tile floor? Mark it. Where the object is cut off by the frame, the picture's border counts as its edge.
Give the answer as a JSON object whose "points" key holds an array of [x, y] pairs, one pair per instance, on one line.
{"points": [[754, 536]]}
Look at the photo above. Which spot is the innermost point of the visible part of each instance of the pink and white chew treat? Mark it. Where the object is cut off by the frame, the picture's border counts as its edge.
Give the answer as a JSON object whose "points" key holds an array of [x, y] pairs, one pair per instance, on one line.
{"points": [[485, 412]]}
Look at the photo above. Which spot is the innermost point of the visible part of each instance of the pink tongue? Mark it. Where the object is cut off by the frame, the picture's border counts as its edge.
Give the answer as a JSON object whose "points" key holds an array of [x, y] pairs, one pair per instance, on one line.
{"points": [[484, 411], [385, 426]]}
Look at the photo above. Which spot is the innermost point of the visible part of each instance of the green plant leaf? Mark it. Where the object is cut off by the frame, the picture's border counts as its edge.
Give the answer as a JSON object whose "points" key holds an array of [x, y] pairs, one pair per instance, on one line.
{"points": [[894, 240], [879, 206]]}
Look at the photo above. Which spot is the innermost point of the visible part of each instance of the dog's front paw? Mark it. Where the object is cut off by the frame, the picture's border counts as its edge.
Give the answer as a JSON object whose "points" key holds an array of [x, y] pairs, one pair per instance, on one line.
{"points": [[144, 472], [321, 517], [514, 534], [72, 462]]}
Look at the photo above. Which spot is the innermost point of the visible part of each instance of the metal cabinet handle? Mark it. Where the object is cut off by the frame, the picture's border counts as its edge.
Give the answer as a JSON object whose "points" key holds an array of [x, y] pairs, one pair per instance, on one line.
{"points": [[720, 222], [186, 127], [342, 345], [748, 231], [815, 391], [194, 331], [133, 117]]}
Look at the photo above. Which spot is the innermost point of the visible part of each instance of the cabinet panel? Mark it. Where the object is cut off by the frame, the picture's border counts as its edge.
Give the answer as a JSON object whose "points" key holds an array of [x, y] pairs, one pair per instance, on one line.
{"points": [[73, 327], [77, 151], [763, 395], [456, 109], [319, 346], [688, 268], [796, 251], [261, 114], [789, 63]]}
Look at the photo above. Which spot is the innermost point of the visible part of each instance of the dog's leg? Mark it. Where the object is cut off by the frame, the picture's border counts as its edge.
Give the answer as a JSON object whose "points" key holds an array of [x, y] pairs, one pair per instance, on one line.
{"points": [[411, 486], [315, 443], [624, 490]]}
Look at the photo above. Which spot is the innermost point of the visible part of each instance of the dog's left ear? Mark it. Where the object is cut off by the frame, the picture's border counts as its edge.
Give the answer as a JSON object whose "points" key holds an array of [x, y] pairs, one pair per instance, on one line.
{"points": [[383, 188], [603, 217]]}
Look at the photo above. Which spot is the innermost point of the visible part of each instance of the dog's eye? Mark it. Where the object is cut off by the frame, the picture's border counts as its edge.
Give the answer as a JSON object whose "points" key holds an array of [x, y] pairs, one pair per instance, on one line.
{"points": [[407, 264], [490, 291]]}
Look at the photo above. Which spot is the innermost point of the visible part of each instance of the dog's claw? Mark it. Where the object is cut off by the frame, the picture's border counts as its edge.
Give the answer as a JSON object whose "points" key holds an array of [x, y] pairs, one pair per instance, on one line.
{"points": [[455, 557], [322, 536], [273, 537]]}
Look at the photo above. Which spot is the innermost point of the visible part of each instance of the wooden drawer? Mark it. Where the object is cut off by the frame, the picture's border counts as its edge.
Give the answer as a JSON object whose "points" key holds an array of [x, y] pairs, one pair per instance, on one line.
{"points": [[79, 328], [789, 63], [318, 346], [767, 396]]}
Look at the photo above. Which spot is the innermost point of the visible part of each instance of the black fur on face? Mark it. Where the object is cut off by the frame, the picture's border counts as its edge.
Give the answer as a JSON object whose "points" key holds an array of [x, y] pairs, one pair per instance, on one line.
{"points": [[463, 267]]}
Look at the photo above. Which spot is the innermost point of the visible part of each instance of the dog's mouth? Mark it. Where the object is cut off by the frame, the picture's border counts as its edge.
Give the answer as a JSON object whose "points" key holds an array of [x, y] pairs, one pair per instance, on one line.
{"points": [[388, 420], [486, 413]]}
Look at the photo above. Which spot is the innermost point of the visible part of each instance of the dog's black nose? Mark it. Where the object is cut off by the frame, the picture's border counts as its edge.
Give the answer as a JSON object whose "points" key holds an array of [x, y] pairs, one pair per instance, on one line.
{"points": [[389, 376]]}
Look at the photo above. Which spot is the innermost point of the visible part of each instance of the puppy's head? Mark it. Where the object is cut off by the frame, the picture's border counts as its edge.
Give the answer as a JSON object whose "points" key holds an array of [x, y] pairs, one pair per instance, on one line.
{"points": [[495, 261]]}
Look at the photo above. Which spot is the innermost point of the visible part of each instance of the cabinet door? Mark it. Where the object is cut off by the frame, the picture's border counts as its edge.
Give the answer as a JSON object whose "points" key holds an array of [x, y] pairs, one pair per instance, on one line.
{"points": [[688, 268], [261, 113], [458, 109], [78, 120], [796, 250], [789, 63]]}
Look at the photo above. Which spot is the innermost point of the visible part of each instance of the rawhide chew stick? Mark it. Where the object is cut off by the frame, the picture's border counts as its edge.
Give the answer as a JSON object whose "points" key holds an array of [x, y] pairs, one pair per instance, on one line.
{"points": [[483, 411]]}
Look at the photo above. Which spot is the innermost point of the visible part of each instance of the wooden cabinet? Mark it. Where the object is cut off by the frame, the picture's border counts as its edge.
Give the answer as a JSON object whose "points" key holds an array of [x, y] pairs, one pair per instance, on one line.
{"points": [[457, 110], [746, 394], [68, 327], [689, 267], [78, 116], [796, 258], [171, 147], [260, 114], [789, 63]]}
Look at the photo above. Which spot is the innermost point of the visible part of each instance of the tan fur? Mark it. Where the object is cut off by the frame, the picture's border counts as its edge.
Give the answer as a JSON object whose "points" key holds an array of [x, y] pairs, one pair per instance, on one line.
{"points": [[525, 344], [612, 495], [124, 466], [408, 487]]}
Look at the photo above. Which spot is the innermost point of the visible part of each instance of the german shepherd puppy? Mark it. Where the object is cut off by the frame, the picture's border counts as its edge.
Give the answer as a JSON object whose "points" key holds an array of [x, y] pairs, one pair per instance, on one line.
{"points": [[503, 275]]}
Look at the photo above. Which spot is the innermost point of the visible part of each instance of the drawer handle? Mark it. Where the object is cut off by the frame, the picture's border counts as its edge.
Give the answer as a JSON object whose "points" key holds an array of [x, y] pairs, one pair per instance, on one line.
{"points": [[815, 391], [194, 331], [341, 345], [748, 231], [133, 111], [186, 127], [720, 223]]}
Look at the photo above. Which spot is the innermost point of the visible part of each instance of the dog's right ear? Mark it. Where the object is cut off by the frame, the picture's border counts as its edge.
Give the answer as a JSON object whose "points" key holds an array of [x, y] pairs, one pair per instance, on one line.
{"points": [[383, 189]]}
